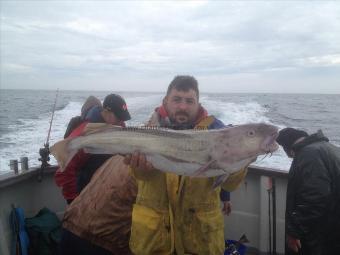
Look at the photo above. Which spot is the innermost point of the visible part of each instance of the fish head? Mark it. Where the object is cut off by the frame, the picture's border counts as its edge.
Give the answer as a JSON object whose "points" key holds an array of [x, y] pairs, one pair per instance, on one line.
{"points": [[243, 144]]}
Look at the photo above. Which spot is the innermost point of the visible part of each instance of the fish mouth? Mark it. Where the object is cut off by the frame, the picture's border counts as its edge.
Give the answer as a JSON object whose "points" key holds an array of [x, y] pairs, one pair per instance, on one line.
{"points": [[270, 145]]}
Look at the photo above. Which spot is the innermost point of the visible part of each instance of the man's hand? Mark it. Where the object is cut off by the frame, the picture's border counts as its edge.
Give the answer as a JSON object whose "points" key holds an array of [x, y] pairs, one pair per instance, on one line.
{"points": [[293, 243], [138, 161], [226, 210]]}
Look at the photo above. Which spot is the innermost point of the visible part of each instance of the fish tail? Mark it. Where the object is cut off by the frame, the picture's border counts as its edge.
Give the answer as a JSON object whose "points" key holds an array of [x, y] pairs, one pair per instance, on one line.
{"points": [[62, 154]]}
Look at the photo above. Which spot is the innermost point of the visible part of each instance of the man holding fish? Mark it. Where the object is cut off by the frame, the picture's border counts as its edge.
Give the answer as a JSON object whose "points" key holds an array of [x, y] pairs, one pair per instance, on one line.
{"points": [[177, 214]]}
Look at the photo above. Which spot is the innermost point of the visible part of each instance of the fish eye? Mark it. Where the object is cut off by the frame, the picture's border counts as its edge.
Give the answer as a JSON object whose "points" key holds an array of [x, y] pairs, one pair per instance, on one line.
{"points": [[251, 133]]}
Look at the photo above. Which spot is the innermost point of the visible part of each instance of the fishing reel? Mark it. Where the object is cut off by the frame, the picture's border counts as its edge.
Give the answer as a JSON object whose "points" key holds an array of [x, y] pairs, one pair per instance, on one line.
{"points": [[44, 154], [44, 158]]}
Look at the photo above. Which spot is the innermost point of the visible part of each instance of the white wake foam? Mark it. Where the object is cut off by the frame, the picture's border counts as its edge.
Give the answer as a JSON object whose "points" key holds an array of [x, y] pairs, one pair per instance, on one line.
{"points": [[26, 138]]}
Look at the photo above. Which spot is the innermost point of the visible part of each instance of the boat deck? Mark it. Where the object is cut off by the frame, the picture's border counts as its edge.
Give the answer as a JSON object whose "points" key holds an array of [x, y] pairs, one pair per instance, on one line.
{"points": [[254, 203]]}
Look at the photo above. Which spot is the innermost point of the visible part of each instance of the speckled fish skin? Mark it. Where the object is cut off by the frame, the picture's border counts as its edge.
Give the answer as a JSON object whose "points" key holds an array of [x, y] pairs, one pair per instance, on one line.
{"points": [[214, 152]]}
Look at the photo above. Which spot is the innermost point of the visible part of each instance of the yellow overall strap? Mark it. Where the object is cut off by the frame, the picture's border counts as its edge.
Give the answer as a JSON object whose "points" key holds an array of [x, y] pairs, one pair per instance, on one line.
{"points": [[172, 231], [174, 187]]}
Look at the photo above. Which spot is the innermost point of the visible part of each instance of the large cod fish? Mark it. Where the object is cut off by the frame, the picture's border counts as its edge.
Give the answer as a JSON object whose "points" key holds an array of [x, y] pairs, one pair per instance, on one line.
{"points": [[198, 153]]}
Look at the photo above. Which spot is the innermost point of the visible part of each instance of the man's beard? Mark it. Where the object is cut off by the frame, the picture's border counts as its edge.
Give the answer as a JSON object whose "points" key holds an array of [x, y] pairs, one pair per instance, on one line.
{"points": [[189, 124]]}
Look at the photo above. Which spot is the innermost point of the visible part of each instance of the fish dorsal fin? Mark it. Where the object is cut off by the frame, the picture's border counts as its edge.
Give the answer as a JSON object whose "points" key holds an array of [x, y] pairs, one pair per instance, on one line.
{"points": [[159, 132], [93, 128]]}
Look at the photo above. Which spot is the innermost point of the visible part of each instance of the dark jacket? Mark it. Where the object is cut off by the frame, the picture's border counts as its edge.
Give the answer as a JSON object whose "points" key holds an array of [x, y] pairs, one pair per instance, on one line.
{"points": [[72, 125], [313, 195], [94, 161]]}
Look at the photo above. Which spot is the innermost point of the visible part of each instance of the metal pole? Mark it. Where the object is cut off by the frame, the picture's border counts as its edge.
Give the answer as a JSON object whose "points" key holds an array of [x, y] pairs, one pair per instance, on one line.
{"points": [[24, 163], [274, 215], [13, 165], [269, 214]]}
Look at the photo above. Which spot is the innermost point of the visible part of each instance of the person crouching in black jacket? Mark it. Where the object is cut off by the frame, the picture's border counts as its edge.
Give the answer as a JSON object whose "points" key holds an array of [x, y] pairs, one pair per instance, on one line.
{"points": [[313, 193]]}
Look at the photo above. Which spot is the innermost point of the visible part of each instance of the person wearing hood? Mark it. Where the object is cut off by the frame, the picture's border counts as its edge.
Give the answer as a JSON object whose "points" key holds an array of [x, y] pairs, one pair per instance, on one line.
{"points": [[313, 193], [177, 214], [90, 102], [82, 166]]}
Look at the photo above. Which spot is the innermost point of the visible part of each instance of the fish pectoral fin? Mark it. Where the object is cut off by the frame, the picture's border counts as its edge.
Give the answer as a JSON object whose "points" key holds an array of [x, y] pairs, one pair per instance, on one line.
{"points": [[201, 171], [219, 180]]}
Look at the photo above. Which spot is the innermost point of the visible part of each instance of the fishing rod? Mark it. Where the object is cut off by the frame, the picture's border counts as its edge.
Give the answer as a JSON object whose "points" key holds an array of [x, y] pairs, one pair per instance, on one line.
{"points": [[45, 152]]}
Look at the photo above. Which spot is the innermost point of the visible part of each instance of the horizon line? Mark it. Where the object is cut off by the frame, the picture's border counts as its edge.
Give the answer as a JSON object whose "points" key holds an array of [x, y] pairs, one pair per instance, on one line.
{"points": [[201, 91]]}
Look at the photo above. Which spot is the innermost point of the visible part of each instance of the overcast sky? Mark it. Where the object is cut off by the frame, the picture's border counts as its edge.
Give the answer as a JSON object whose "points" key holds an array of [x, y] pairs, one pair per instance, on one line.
{"points": [[249, 46]]}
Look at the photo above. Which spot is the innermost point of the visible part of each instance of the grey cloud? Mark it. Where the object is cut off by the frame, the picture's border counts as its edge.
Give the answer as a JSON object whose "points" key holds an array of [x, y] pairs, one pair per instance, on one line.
{"points": [[61, 40]]}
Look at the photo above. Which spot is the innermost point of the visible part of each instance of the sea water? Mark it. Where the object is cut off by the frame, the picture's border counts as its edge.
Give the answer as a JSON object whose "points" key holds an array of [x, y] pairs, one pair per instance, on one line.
{"points": [[25, 117]]}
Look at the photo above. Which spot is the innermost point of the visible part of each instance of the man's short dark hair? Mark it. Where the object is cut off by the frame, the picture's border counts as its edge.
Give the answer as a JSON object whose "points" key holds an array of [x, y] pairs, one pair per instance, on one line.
{"points": [[288, 136], [183, 83]]}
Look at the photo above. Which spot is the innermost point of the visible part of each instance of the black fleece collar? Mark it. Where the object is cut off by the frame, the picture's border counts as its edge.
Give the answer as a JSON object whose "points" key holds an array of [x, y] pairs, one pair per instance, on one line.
{"points": [[314, 138]]}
